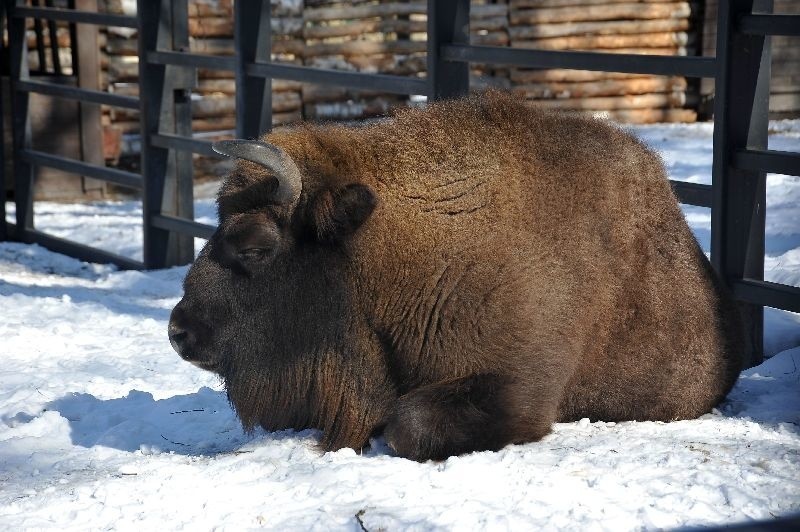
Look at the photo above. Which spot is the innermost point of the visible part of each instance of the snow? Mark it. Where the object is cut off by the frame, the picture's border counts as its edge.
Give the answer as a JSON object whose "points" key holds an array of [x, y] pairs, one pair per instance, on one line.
{"points": [[103, 426]]}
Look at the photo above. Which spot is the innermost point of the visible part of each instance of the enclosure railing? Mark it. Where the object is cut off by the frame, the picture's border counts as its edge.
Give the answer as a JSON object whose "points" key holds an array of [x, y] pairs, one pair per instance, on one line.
{"points": [[168, 72], [26, 158]]}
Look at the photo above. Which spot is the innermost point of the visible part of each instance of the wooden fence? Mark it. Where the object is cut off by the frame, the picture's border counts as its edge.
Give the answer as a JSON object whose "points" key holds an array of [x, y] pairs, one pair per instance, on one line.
{"points": [[390, 38]]}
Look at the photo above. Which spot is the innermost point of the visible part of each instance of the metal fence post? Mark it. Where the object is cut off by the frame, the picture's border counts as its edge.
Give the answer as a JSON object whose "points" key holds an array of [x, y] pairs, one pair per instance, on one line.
{"points": [[21, 126], [167, 186], [741, 114], [151, 15], [3, 224], [252, 42], [448, 23]]}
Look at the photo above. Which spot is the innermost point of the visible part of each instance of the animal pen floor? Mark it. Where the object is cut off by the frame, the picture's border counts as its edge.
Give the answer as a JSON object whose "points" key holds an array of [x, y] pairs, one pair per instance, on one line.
{"points": [[103, 426]]}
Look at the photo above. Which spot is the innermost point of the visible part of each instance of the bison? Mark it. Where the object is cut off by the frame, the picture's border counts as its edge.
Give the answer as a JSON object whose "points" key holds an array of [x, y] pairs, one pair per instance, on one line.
{"points": [[457, 277]]}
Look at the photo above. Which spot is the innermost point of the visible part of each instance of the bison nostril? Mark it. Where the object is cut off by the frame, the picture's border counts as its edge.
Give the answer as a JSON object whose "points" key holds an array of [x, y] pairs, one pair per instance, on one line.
{"points": [[177, 338]]}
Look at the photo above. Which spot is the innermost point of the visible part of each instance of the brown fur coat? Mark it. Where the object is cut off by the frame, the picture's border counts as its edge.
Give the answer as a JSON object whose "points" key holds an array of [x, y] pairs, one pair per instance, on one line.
{"points": [[460, 276]]}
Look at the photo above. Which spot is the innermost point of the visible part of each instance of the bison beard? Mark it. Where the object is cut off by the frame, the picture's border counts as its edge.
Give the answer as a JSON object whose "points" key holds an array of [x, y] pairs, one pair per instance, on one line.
{"points": [[458, 278]]}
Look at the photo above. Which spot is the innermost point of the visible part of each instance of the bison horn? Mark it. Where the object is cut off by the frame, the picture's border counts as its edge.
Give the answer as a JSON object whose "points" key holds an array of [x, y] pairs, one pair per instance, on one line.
{"points": [[270, 157]]}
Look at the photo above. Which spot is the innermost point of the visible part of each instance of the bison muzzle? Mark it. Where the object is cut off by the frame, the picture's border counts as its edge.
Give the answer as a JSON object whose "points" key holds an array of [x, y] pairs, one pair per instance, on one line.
{"points": [[458, 278]]}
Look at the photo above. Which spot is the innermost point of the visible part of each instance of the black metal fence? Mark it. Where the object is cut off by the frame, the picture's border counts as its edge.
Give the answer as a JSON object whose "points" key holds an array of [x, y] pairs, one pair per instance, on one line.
{"points": [[168, 72]]}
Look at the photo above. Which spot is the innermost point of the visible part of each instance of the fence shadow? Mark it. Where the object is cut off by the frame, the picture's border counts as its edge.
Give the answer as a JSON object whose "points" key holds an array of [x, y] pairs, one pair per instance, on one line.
{"points": [[121, 292], [114, 300]]}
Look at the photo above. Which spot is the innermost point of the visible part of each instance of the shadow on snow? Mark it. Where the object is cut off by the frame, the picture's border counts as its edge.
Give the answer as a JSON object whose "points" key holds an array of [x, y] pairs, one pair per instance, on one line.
{"points": [[200, 423], [112, 299]]}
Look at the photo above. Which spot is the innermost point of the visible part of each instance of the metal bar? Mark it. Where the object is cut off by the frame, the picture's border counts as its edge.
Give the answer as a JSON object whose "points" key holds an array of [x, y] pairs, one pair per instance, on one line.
{"points": [[77, 93], [740, 121], [73, 36], [154, 21], [448, 27], [355, 80], [3, 224], [765, 293], [52, 29], [211, 62], [178, 142], [692, 193], [69, 15], [253, 44], [38, 31], [103, 173], [697, 67], [771, 161], [768, 24], [183, 226], [20, 121], [73, 249]]}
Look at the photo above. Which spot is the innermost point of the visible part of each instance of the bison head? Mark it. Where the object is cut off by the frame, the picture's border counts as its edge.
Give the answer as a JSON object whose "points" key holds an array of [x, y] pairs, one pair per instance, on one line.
{"points": [[268, 303]]}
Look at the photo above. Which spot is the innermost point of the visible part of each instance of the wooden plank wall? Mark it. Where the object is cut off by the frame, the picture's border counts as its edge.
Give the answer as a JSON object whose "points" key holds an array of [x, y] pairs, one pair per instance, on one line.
{"points": [[658, 27], [784, 99], [365, 37], [389, 37], [385, 37]]}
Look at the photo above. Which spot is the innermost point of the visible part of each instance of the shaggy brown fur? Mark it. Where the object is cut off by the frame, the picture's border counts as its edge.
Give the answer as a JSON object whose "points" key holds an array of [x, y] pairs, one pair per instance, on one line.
{"points": [[461, 276]]}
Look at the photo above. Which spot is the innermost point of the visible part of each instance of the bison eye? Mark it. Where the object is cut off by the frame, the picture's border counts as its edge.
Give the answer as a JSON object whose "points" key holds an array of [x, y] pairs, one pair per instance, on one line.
{"points": [[247, 241], [253, 254]]}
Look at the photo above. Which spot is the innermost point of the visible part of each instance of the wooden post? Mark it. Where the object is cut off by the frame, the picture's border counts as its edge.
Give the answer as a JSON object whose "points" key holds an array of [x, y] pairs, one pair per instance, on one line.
{"points": [[88, 77]]}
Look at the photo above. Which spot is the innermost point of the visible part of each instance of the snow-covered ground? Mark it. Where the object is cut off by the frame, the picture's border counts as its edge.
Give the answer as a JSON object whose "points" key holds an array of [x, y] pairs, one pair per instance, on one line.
{"points": [[103, 426]]}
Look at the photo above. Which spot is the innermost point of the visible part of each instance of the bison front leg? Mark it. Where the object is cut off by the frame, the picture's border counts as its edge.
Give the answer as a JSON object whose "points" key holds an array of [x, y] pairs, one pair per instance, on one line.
{"points": [[453, 417]]}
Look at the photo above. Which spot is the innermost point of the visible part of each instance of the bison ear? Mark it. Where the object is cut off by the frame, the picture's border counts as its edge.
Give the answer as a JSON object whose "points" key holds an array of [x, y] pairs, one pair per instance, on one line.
{"points": [[336, 213]]}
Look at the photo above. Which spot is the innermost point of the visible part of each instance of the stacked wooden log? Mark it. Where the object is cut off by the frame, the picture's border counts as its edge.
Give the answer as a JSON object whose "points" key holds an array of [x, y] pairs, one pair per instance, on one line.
{"points": [[658, 27], [360, 36], [385, 37], [488, 25], [120, 72]]}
